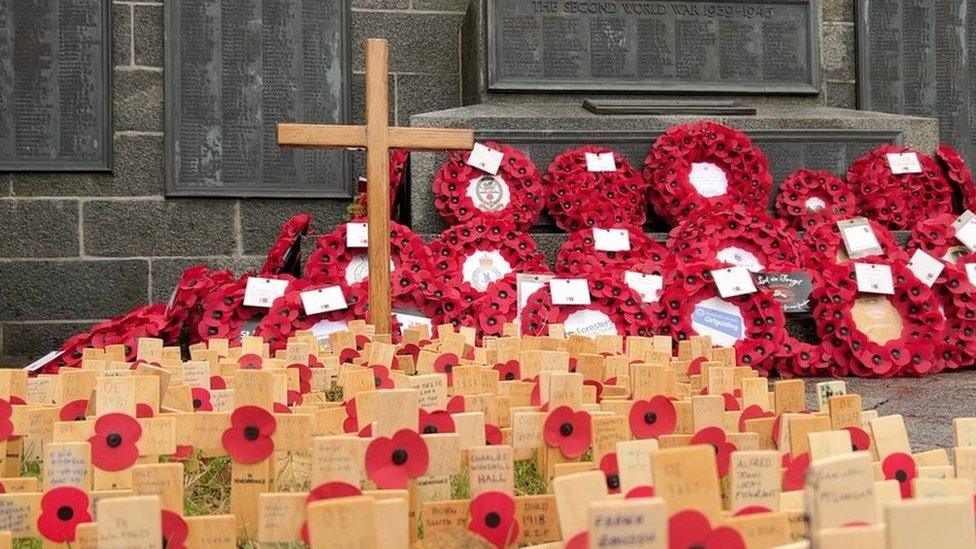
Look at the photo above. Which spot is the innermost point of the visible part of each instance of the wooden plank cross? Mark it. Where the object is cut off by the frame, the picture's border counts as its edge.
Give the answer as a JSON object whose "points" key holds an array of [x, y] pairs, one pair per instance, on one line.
{"points": [[377, 137]]}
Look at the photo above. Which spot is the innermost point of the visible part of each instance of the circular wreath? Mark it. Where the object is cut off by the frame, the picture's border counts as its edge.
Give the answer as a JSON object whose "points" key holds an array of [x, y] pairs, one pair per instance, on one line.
{"points": [[463, 192], [578, 254], [808, 197], [398, 171], [955, 294], [332, 263], [736, 236], [488, 313], [481, 254], [955, 170], [579, 198], [224, 312], [898, 201], [279, 257], [801, 359], [823, 245], [125, 329], [185, 307], [614, 309], [936, 237], [691, 300], [911, 353], [705, 165]]}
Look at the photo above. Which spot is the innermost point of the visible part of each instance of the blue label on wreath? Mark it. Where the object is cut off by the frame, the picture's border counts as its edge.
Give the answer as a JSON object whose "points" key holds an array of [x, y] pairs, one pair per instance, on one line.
{"points": [[720, 321]]}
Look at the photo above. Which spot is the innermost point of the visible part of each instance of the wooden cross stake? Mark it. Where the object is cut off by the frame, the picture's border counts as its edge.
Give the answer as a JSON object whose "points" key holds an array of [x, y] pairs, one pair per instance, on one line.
{"points": [[377, 137]]}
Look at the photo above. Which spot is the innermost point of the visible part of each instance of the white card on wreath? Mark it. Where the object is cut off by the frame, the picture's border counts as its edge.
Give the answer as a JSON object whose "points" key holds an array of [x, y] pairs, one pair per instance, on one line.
{"points": [[39, 363], [902, 163], [409, 320], [600, 162], [569, 291], [357, 235], [859, 238], [611, 240], [733, 281], [925, 267], [647, 285], [874, 279], [323, 300], [965, 226], [971, 272], [261, 292], [485, 158]]}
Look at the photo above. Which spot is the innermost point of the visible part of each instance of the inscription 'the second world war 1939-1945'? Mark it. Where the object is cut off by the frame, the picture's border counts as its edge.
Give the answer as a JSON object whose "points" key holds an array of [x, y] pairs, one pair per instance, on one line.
{"points": [[767, 46]]}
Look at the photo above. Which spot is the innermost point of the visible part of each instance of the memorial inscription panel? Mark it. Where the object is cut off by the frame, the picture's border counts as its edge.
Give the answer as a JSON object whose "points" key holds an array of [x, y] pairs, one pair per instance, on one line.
{"points": [[918, 57], [55, 85], [759, 46], [235, 69]]}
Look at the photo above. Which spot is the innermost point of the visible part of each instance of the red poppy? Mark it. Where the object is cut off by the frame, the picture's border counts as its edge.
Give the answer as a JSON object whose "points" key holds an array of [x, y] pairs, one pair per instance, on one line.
{"points": [[248, 439], [509, 371], [381, 377], [183, 452], [753, 411], [752, 510], [492, 516], [201, 400], [351, 423], [901, 467], [294, 397], [280, 408], [445, 364], [796, 471], [569, 431], [731, 404], [304, 377], [217, 382], [144, 410], [493, 435], [611, 470], [62, 510], [640, 492], [579, 541], [860, 439], [653, 418], [434, 422], [6, 426], [175, 530], [113, 446], [723, 448], [347, 355], [690, 529], [250, 362], [328, 490], [392, 462], [456, 405]]}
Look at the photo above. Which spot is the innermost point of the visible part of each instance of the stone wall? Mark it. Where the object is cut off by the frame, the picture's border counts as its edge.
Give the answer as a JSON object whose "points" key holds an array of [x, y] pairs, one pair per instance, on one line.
{"points": [[77, 248]]}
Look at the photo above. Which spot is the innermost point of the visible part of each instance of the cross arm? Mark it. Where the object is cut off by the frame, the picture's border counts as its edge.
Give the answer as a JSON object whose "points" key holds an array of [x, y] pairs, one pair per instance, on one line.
{"points": [[318, 135], [430, 139]]}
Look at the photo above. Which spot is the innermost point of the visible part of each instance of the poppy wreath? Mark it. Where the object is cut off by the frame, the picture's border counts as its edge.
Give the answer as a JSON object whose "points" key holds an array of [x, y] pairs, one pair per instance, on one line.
{"points": [[823, 246], [332, 263], [703, 166], [284, 255], [911, 353], [736, 236], [487, 313], [954, 168], [898, 201], [954, 293], [578, 256], [579, 198], [936, 237], [761, 333], [807, 197], [614, 309], [185, 307], [224, 312], [463, 192], [480, 258], [797, 358], [398, 172]]}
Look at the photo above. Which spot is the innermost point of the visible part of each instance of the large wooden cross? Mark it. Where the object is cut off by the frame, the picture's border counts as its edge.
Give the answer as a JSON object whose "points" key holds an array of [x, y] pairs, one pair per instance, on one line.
{"points": [[377, 137]]}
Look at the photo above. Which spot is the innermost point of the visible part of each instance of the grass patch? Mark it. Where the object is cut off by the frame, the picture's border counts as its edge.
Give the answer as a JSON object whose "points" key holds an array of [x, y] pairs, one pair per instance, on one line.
{"points": [[460, 488], [33, 468], [334, 394], [207, 490], [528, 480]]}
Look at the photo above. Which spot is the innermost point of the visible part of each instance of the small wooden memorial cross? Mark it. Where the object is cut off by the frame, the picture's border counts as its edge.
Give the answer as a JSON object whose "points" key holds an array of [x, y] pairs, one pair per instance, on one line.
{"points": [[377, 137]]}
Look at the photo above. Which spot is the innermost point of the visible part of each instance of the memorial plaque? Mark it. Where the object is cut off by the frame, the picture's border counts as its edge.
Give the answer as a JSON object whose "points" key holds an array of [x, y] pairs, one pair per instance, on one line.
{"points": [[731, 46], [234, 70], [55, 85], [788, 150], [916, 57]]}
